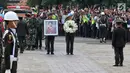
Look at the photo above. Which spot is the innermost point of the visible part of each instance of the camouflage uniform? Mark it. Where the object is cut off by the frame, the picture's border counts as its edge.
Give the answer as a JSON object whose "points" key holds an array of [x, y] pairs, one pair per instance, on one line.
{"points": [[32, 27]]}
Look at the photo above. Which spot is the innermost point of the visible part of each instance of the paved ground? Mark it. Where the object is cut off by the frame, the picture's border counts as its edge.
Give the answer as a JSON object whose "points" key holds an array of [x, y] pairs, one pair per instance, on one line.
{"points": [[90, 57]]}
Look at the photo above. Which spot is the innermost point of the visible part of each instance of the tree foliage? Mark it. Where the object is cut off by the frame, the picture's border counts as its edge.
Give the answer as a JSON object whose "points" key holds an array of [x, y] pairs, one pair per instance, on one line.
{"points": [[82, 2], [3, 3], [33, 2]]}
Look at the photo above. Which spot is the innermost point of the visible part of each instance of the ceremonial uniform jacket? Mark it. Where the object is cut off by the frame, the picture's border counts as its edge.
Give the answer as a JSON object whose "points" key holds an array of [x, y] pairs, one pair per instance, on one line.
{"points": [[10, 47], [119, 37]]}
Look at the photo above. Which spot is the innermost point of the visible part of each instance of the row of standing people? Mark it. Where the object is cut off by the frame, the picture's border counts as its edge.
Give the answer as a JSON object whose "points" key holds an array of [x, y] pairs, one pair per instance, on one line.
{"points": [[29, 32], [118, 39], [33, 31]]}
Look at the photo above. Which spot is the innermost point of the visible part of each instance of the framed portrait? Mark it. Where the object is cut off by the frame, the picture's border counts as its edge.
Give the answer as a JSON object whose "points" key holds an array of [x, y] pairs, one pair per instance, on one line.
{"points": [[50, 27]]}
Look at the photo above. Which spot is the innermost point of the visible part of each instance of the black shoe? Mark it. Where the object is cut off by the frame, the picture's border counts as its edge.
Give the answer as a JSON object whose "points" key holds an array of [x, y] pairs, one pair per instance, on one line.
{"points": [[40, 48], [45, 48], [115, 65], [47, 53], [105, 42], [67, 54], [121, 64], [100, 41], [28, 49], [21, 52], [52, 53], [33, 49], [72, 54]]}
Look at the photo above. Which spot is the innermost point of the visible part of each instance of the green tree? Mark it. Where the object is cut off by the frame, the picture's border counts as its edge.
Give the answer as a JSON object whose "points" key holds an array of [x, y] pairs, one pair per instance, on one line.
{"points": [[3, 3], [83, 3], [33, 2]]}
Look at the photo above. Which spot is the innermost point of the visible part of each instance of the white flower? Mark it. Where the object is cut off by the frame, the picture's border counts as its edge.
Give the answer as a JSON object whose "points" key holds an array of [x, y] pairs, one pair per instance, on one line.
{"points": [[70, 26]]}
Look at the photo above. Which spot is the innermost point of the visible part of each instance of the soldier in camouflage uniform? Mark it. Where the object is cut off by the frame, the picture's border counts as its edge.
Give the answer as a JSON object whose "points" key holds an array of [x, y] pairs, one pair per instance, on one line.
{"points": [[26, 19], [32, 27]]}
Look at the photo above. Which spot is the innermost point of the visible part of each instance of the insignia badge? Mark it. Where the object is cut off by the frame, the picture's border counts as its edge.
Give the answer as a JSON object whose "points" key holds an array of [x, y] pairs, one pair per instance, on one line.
{"points": [[10, 37]]}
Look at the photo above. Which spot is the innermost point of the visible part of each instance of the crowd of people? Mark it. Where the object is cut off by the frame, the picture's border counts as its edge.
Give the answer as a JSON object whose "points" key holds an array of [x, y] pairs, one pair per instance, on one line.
{"points": [[92, 23], [87, 23], [89, 20]]}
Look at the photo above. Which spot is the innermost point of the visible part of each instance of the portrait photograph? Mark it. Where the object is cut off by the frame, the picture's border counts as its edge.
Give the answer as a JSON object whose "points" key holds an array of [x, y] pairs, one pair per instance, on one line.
{"points": [[50, 27]]}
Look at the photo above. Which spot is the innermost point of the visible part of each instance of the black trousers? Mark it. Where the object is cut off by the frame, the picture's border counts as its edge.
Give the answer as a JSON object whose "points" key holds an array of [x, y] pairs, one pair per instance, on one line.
{"points": [[21, 43], [102, 31], [94, 30], [128, 35], [7, 58], [86, 30], [119, 57], [13, 70], [46, 43], [81, 30], [39, 40], [69, 43], [50, 44], [0, 64], [97, 33]]}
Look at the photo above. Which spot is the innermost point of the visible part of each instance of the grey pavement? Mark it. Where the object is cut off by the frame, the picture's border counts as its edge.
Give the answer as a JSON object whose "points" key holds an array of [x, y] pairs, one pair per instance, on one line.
{"points": [[89, 57]]}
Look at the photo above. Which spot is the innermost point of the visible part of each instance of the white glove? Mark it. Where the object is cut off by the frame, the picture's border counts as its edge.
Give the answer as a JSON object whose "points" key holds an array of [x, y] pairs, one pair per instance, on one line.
{"points": [[12, 58], [8, 71]]}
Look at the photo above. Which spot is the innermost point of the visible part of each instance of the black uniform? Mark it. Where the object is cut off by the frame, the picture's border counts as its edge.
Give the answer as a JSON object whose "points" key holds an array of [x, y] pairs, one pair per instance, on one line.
{"points": [[22, 31], [50, 44], [69, 43], [11, 49], [39, 33], [118, 42], [70, 36], [103, 28]]}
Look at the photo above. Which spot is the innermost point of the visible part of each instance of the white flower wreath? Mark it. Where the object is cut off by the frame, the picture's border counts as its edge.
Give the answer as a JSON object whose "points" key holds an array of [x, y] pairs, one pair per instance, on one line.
{"points": [[70, 26]]}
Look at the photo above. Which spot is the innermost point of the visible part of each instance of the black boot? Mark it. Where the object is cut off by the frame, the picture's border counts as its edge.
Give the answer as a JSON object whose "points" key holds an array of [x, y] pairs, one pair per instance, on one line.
{"points": [[115, 65]]}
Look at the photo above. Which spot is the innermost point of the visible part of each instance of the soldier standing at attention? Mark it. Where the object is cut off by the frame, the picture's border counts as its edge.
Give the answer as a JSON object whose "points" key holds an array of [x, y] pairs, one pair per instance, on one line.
{"points": [[119, 40], [10, 43]]}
